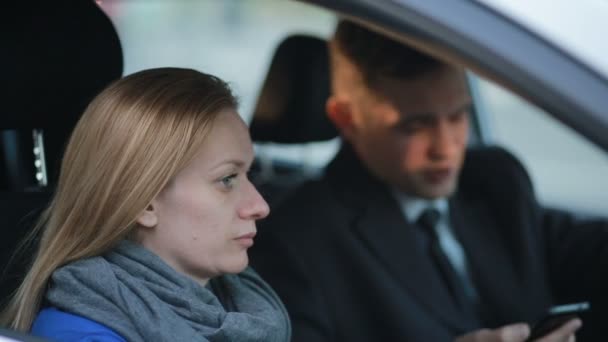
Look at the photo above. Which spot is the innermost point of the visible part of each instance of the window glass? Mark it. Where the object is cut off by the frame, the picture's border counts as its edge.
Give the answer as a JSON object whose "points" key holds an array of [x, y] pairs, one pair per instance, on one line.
{"points": [[232, 39], [235, 40], [567, 170], [577, 26]]}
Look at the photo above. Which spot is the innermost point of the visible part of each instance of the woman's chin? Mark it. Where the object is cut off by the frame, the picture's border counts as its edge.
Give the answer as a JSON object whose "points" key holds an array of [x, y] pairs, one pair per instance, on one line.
{"points": [[239, 265]]}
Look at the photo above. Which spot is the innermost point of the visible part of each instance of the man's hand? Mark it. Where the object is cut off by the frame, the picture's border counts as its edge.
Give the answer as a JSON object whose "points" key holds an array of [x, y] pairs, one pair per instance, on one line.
{"points": [[520, 332], [509, 333]]}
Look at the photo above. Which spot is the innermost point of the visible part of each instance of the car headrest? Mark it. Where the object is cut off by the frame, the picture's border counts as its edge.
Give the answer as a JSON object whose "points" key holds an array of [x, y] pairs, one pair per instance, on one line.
{"points": [[291, 105], [58, 56]]}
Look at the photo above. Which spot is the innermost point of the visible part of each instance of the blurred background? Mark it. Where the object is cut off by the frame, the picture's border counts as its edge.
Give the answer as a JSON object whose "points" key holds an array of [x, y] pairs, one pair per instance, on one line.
{"points": [[235, 40]]}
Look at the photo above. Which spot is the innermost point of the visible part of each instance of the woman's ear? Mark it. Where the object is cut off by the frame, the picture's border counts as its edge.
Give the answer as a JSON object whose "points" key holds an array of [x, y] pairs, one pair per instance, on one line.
{"points": [[148, 218], [340, 113]]}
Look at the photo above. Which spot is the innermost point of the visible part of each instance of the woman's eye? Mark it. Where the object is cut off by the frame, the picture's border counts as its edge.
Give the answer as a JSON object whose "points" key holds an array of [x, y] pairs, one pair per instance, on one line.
{"points": [[229, 182]]}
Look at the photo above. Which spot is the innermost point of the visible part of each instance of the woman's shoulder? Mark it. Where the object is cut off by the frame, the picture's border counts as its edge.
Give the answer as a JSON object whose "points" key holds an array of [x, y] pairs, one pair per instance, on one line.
{"points": [[58, 325]]}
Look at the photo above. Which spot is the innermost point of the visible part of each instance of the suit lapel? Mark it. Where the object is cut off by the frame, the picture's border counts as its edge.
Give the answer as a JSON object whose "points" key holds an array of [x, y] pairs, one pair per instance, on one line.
{"points": [[390, 239], [380, 225], [378, 222], [493, 274]]}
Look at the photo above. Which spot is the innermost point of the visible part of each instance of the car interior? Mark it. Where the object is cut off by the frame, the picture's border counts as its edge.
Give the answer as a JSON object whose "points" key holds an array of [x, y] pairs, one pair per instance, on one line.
{"points": [[55, 72]]}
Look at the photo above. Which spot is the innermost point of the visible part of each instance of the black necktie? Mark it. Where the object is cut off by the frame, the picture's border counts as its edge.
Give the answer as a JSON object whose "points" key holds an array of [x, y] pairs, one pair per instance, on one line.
{"points": [[428, 221]]}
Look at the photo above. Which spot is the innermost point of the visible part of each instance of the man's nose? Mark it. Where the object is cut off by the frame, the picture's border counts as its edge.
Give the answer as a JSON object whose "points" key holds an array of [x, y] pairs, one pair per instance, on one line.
{"points": [[444, 140], [254, 206]]}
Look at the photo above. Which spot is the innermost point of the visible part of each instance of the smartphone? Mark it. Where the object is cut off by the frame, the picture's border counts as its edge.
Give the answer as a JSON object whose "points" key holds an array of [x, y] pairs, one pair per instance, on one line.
{"points": [[556, 316]]}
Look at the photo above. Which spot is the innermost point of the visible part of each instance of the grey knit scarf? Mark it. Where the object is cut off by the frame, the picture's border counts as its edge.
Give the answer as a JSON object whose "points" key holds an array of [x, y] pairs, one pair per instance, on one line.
{"points": [[133, 292]]}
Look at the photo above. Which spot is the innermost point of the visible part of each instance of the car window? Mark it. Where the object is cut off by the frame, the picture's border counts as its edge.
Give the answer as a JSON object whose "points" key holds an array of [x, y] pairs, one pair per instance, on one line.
{"points": [[567, 170], [578, 26], [234, 40]]}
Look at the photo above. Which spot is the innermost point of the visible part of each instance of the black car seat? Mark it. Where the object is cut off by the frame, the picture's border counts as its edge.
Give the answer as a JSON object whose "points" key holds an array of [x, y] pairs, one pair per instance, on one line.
{"points": [[291, 110], [58, 56]]}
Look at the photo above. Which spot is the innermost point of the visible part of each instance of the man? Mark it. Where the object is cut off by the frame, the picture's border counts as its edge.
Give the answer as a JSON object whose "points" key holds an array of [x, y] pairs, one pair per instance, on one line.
{"points": [[408, 236]]}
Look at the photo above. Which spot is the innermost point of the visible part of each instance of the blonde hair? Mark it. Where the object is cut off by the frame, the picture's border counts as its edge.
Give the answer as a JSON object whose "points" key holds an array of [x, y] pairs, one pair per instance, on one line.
{"points": [[131, 140]]}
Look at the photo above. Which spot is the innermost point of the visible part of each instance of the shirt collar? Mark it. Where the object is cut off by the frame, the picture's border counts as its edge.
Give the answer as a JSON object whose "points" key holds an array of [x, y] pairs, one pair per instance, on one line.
{"points": [[412, 206]]}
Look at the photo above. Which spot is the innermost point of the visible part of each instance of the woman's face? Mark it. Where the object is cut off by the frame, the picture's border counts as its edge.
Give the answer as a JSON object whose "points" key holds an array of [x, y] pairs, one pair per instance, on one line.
{"points": [[203, 222]]}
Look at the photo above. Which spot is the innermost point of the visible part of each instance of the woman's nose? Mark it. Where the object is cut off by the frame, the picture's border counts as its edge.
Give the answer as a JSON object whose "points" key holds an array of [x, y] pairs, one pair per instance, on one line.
{"points": [[255, 207]]}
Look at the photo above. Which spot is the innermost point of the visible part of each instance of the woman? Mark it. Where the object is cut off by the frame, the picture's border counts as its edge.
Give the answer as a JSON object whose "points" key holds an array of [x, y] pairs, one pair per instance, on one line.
{"points": [[146, 237]]}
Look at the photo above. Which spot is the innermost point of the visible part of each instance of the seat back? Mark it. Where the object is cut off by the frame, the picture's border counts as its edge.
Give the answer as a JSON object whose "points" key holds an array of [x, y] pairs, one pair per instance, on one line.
{"points": [[60, 55], [291, 111], [291, 105]]}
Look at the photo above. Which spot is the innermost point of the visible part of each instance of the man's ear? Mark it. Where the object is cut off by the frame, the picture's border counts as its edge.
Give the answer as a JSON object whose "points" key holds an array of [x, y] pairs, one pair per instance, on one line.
{"points": [[340, 113], [148, 218]]}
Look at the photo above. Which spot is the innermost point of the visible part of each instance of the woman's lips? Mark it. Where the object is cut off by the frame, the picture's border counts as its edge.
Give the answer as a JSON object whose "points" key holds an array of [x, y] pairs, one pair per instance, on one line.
{"points": [[246, 240]]}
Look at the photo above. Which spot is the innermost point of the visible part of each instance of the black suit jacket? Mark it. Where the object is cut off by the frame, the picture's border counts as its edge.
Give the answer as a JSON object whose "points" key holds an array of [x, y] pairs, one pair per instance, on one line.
{"points": [[346, 263]]}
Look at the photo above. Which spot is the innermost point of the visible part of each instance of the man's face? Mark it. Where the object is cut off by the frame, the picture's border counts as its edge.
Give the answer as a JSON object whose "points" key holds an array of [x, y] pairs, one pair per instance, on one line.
{"points": [[412, 134]]}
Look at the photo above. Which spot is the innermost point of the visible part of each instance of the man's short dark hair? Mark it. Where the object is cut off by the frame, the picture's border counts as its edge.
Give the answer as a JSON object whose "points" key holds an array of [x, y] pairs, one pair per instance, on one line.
{"points": [[378, 56]]}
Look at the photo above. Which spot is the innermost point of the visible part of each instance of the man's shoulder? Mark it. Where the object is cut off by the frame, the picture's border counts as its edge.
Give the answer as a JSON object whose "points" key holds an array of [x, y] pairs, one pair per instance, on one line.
{"points": [[493, 168], [491, 158]]}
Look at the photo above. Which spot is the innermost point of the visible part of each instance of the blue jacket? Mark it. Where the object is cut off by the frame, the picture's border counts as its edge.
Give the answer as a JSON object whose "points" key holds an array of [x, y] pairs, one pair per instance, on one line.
{"points": [[57, 325]]}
